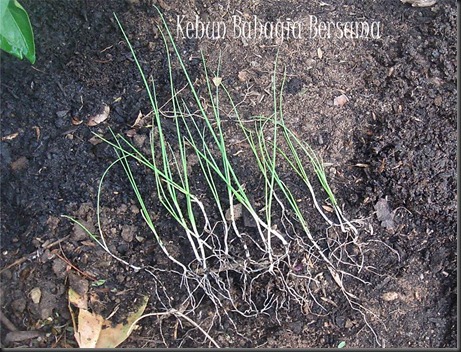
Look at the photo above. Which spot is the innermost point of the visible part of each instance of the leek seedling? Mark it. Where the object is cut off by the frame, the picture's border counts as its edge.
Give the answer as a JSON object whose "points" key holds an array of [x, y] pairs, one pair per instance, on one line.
{"points": [[219, 244]]}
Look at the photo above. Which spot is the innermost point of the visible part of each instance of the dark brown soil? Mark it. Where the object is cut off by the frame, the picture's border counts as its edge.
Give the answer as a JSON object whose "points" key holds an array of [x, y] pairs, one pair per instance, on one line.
{"points": [[390, 155]]}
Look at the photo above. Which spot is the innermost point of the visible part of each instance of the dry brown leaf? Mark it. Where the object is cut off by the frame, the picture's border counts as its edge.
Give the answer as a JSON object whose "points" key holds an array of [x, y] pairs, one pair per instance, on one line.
{"points": [[37, 131], [138, 120], [113, 336], [10, 137], [97, 119], [77, 300], [89, 329], [76, 121], [92, 330]]}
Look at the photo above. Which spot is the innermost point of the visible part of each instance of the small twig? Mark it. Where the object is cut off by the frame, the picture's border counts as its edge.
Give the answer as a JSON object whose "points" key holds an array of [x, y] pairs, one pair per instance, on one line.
{"points": [[18, 336], [23, 259], [5, 321], [67, 261]]}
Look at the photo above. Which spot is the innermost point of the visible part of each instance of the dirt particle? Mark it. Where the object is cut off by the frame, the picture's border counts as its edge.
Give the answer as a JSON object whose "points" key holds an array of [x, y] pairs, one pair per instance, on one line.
{"points": [[59, 268], [390, 296], [296, 327], [348, 324], [7, 274], [243, 76], [79, 233], [294, 85], [48, 303], [139, 140], [319, 53], [36, 295], [384, 214], [340, 100], [134, 209], [151, 46], [62, 113], [20, 164], [123, 248], [78, 284], [19, 305], [237, 212], [128, 232], [46, 256], [53, 222], [438, 100]]}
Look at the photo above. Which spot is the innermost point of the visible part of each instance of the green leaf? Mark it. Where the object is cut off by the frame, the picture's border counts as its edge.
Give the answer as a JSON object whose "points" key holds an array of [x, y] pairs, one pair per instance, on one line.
{"points": [[16, 35], [342, 344], [98, 283]]}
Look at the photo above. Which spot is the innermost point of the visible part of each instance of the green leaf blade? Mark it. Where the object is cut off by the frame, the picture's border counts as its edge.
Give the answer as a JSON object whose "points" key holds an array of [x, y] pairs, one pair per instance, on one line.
{"points": [[16, 35]]}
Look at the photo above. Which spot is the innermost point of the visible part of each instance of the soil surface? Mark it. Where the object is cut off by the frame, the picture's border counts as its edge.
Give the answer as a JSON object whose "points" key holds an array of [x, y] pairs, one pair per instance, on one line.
{"points": [[388, 143]]}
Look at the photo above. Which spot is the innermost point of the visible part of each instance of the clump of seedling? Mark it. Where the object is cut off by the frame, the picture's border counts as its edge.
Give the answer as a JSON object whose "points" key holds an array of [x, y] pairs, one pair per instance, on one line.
{"points": [[280, 255]]}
